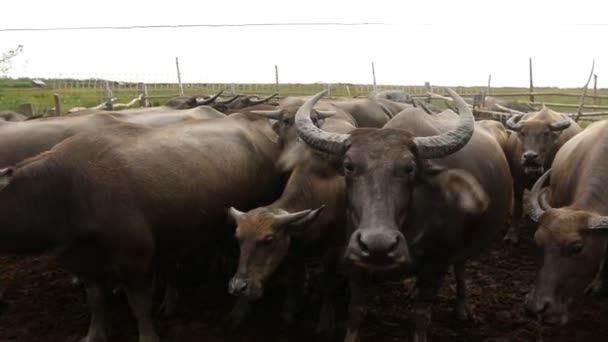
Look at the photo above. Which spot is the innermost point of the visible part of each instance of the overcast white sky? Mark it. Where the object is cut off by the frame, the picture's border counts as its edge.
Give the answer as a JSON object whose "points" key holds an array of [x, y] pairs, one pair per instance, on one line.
{"points": [[445, 42]]}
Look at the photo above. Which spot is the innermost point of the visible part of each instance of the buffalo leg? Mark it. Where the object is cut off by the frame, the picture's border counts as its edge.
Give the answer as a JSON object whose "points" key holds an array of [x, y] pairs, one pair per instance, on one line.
{"points": [[170, 298], [429, 283], [327, 316], [240, 312], [295, 279], [140, 295], [360, 284], [462, 309], [513, 232], [97, 303], [599, 285]]}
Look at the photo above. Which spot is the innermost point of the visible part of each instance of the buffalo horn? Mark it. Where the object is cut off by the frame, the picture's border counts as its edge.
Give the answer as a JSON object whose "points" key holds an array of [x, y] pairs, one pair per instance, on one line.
{"points": [[333, 143], [285, 219], [537, 201], [263, 100], [230, 100], [269, 114], [513, 122], [598, 222], [209, 100], [562, 125], [442, 145]]}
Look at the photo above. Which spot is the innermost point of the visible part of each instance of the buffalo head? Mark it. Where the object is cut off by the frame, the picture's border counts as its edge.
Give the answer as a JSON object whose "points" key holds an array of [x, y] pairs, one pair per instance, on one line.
{"points": [[387, 172], [538, 138], [264, 237], [571, 254]]}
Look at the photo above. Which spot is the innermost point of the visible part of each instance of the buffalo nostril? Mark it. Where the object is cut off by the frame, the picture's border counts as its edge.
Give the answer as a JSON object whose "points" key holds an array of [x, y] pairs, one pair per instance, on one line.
{"points": [[394, 244], [362, 246], [530, 155]]}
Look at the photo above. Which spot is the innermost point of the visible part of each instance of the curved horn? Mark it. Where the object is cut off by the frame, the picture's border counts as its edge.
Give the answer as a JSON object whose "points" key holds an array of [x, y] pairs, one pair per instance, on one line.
{"points": [[209, 100], [324, 114], [537, 202], [269, 114], [235, 213], [313, 136], [263, 100], [562, 125], [442, 145], [513, 122], [598, 222], [230, 100], [285, 219]]}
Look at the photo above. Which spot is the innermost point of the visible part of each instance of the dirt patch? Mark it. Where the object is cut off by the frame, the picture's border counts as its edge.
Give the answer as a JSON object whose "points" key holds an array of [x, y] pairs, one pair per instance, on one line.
{"points": [[42, 305]]}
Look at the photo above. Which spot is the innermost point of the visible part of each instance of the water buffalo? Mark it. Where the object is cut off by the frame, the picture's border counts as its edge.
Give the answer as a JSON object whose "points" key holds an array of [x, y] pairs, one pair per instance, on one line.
{"points": [[393, 95], [406, 212], [127, 200], [572, 216], [496, 130], [237, 102], [306, 221], [538, 136], [188, 102]]}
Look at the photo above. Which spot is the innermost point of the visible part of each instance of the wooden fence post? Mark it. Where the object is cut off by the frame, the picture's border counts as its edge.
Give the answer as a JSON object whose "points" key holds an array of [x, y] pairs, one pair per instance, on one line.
{"points": [[531, 82], [142, 90], [109, 96], [428, 89], [489, 84], [26, 109], [595, 98], [57, 104], [374, 75], [179, 77], [276, 79]]}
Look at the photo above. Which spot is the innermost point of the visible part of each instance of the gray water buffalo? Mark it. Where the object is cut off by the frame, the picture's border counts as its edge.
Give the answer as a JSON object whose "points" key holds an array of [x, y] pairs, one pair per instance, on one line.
{"points": [[308, 220], [124, 201], [188, 102], [531, 149], [393, 95], [572, 216], [241, 101], [409, 213]]}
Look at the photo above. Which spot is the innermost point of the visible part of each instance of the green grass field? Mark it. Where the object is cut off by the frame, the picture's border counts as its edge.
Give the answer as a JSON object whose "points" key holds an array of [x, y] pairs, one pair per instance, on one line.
{"points": [[88, 93]]}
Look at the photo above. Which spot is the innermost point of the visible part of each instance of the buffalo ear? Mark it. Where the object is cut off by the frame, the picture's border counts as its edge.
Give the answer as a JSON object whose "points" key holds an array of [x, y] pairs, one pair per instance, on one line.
{"points": [[460, 189], [6, 175]]}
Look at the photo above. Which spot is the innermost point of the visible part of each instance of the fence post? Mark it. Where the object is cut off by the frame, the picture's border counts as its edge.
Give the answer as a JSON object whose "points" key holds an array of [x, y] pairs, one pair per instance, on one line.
{"points": [[428, 89], [26, 109], [595, 99], [531, 82], [489, 84], [142, 90], [374, 75], [179, 77], [108, 96], [57, 104], [276, 79]]}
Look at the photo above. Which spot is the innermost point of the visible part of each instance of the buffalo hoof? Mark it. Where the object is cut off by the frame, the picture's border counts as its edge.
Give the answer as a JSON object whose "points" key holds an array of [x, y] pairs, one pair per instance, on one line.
{"points": [[463, 312], [411, 288]]}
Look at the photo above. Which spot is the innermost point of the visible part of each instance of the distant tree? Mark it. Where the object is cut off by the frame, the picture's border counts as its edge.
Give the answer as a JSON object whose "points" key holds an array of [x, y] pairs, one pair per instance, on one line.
{"points": [[7, 57]]}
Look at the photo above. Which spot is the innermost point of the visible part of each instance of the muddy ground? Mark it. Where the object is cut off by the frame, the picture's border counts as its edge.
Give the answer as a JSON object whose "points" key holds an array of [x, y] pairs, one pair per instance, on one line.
{"points": [[42, 306]]}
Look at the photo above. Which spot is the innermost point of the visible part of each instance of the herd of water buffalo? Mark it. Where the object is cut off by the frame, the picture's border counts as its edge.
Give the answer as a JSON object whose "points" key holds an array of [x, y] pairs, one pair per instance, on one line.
{"points": [[364, 186]]}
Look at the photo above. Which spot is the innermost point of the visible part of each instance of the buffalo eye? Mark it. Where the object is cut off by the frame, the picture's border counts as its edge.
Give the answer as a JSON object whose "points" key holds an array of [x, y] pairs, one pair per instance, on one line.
{"points": [[522, 134], [268, 240], [349, 167], [546, 134], [574, 248], [285, 121]]}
